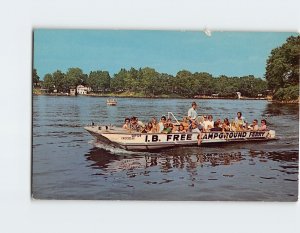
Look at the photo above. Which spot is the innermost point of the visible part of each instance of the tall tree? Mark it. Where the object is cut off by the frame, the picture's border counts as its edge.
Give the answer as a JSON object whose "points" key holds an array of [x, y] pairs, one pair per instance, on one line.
{"points": [[49, 82], [58, 79], [99, 81], [118, 82], [282, 69], [73, 77], [149, 80]]}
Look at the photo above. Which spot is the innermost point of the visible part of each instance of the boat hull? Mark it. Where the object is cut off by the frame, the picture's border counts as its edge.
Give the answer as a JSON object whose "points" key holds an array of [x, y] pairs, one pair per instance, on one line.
{"points": [[152, 141]]}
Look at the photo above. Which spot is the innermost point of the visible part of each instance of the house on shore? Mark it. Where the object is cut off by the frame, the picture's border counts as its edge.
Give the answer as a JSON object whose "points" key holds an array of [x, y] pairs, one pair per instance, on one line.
{"points": [[82, 90]]}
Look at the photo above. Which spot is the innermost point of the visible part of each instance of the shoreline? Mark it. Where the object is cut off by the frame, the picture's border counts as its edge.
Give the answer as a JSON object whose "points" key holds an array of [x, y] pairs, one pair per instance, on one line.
{"points": [[146, 97], [134, 96]]}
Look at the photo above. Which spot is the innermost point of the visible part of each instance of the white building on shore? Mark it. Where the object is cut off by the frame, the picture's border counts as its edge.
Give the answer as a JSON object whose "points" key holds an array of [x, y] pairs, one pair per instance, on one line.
{"points": [[82, 90]]}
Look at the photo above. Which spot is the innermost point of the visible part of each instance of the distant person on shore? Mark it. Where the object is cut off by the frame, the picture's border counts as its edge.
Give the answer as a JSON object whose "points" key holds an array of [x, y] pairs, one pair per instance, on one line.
{"points": [[263, 126], [192, 113], [126, 123]]}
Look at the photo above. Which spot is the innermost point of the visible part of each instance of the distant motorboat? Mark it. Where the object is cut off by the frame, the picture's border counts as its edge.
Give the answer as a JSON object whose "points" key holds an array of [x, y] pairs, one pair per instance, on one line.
{"points": [[111, 102]]}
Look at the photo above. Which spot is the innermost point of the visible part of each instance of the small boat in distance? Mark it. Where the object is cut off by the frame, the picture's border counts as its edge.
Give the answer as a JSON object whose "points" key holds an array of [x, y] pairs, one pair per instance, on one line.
{"points": [[111, 102]]}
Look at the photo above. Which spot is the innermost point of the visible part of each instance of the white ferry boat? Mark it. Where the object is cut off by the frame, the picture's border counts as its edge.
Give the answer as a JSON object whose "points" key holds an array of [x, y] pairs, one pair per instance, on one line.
{"points": [[132, 140]]}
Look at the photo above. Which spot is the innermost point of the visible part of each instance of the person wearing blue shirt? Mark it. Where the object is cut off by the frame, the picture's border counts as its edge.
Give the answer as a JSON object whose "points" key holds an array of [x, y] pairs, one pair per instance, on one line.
{"points": [[192, 113]]}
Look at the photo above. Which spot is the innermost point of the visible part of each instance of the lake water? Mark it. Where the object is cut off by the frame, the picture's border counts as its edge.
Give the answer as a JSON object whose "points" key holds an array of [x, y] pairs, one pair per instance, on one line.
{"points": [[68, 164]]}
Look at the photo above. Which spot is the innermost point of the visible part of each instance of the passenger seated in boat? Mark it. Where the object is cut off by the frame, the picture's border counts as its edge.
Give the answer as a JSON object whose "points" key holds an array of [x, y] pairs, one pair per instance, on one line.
{"points": [[208, 123], [161, 124], [180, 129], [185, 123], [140, 123], [149, 128], [240, 121], [263, 126], [234, 126], [167, 128], [254, 125], [195, 129], [200, 120], [216, 127], [126, 123], [226, 125], [155, 125], [171, 125], [134, 124]]}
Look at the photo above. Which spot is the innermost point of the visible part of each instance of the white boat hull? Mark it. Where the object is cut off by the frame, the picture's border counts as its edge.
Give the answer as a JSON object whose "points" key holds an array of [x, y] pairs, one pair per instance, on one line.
{"points": [[151, 141]]}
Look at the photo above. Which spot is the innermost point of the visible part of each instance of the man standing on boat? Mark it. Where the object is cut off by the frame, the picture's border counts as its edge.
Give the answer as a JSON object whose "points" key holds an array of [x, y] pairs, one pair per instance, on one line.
{"points": [[192, 113]]}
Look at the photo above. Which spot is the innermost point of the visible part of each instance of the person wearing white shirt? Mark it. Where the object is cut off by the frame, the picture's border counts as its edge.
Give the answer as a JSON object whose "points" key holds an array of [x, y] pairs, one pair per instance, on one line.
{"points": [[208, 123], [161, 124], [192, 113]]}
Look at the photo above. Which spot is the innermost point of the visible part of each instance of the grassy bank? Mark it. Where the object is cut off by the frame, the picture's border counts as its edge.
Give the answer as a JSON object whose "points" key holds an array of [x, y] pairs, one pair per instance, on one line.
{"points": [[36, 91], [129, 94], [135, 95]]}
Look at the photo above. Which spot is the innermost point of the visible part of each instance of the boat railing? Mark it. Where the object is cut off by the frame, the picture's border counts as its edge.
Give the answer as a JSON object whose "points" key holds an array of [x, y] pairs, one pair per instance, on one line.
{"points": [[170, 114]]}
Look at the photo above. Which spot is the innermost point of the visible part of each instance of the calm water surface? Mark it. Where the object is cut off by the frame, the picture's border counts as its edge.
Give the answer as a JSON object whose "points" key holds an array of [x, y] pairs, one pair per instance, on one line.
{"points": [[68, 164]]}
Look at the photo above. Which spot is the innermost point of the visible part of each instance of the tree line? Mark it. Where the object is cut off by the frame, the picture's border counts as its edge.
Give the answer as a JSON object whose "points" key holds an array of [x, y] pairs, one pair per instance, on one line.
{"points": [[149, 82]]}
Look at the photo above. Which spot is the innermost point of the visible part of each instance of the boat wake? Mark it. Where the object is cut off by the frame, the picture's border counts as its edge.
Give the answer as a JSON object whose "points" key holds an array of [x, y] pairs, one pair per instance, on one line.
{"points": [[116, 150]]}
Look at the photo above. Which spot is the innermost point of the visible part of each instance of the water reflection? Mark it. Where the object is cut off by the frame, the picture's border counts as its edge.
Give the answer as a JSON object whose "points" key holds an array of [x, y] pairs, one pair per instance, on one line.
{"points": [[276, 109], [134, 165], [104, 160]]}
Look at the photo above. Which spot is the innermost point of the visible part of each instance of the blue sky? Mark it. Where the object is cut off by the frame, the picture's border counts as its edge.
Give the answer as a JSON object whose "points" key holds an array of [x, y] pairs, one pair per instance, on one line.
{"points": [[228, 53]]}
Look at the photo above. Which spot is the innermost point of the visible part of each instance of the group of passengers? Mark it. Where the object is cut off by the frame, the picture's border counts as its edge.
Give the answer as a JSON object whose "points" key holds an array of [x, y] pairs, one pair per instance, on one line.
{"points": [[206, 123], [193, 123]]}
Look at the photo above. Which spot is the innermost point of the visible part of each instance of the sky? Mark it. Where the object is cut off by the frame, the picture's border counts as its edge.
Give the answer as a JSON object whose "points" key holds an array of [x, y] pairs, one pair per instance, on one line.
{"points": [[228, 53]]}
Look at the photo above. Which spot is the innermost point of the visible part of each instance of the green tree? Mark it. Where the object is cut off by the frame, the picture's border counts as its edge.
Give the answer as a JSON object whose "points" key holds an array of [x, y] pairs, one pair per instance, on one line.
{"points": [[35, 78], [184, 83], [58, 79], [73, 78], [99, 81], [149, 80], [48, 82], [282, 69], [118, 82]]}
